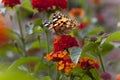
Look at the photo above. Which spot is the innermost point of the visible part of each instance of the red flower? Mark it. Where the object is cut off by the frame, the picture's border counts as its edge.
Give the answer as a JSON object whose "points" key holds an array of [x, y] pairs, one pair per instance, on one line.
{"points": [[87, 63], [48, 4], [63, 42], [100, 18], [57, 56], [83, 25], [11, 3], [62, 3]]}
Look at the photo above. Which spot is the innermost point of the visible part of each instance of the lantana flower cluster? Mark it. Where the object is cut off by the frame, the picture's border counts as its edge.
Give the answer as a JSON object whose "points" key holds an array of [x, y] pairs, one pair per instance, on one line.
{"points": [[40, 5], [87, 63], [45, 5], [60, 55], [11, 3]]}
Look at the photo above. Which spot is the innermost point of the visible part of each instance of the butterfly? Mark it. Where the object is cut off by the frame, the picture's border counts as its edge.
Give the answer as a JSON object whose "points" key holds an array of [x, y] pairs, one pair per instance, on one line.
{"points": [[61, 24]]}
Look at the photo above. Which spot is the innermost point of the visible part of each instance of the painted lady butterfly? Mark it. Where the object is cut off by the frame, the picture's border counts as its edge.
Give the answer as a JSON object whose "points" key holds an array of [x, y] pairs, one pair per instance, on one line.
{"points": [[61, 24]]}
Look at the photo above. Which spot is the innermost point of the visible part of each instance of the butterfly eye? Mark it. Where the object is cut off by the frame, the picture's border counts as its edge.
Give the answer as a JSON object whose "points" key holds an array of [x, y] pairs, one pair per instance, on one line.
{"points": [[46, 24]]}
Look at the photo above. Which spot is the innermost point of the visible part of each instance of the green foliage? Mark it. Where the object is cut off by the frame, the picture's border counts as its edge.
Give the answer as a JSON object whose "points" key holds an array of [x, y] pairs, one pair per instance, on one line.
{"points": [[75, 53], [106, 48], [15, 75], [114, 37], [38, 22], [95, 74], [24, 60], [27, 5], [47, 78], [7, 48], [36, 44], [40, 66], [90, 47], [95, 31]]}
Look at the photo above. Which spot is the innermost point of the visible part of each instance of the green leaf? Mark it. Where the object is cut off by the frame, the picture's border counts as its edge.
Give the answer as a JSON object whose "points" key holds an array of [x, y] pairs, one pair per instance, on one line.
{"points": [[24, 60], [37, 45], [95, 31], [79, 71], [87, 55], [47, 78], [38, 29], [75, 53], [90, 47], [40, 66], [27, 5], [15, 75], [6, 48], [95, 74], [114, 37], [106, 48], [38, 22]]}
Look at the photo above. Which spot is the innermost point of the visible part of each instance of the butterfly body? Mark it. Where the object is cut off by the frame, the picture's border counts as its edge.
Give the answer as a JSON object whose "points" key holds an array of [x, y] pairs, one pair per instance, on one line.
{"points": [[61, 24]]}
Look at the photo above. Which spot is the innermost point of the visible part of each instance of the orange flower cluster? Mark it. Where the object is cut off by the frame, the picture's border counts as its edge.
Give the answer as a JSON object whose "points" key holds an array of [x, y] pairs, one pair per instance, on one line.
{"points": [[66, 65], [4, 32], [49, 4], [96, 2], [4, 37], [11, 3], [63, 42], [76, 12], [57, 56], [87, 64]]}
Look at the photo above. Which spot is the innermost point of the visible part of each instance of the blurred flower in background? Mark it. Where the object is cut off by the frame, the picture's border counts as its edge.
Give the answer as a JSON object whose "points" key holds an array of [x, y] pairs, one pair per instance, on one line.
{"points": [[4, 32], [76, 12], [11, 3], [49, 4]]}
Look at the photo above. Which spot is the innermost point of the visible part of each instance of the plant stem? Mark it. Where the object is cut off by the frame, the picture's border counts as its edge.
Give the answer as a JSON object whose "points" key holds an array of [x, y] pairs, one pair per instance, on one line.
{"points": [[71, 77], [39, 40], [101, 61], [21, 32], [58, 75], [67, 51], [47, 40]]}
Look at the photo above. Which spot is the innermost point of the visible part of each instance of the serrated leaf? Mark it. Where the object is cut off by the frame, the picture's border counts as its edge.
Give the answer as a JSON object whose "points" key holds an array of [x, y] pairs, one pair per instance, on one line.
{"points": [[23, 60], [27, 5], [114, 37], [75, 53]]}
